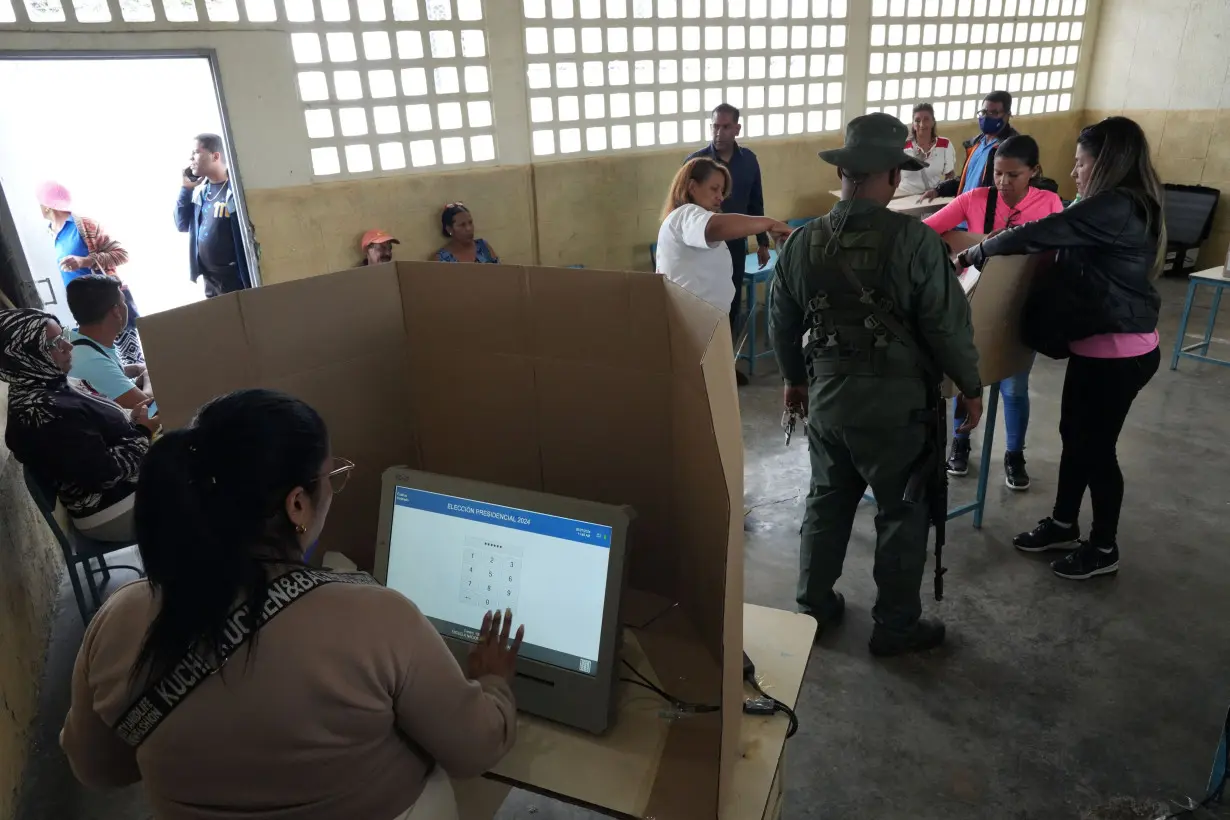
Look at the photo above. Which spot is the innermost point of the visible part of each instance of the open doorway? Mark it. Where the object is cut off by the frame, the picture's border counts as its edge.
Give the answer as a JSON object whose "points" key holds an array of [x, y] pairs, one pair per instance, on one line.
{"points": [[117, 133]]}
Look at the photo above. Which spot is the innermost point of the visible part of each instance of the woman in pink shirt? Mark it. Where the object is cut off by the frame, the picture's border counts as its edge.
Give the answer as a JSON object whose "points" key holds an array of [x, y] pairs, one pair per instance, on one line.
{"points": [[1013, 201], [1101, 301]]}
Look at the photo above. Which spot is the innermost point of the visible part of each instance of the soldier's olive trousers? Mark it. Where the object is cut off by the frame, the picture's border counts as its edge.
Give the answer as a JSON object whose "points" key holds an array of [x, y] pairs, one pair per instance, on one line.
{"points": [[844, 462]]}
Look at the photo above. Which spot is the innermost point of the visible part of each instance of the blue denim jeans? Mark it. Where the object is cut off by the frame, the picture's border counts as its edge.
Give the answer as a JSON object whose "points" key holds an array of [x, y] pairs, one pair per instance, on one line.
{"points": [[1015, 393]]}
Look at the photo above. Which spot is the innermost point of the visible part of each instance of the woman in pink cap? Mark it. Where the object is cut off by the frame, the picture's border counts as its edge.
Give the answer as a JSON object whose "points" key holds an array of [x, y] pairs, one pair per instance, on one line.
{"points": [[83, 247]]}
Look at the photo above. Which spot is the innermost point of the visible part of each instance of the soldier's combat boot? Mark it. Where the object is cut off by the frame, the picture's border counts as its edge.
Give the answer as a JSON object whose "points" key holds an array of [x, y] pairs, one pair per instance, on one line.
{"points": [[831, 616], [925, 635]]}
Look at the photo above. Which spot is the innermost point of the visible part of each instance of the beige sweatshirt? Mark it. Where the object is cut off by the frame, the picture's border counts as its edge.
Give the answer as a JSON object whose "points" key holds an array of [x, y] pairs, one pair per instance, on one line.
{"points": [[348, 697]]}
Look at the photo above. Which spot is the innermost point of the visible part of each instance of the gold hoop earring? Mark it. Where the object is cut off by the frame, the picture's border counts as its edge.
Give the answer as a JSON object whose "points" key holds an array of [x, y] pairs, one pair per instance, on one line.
{"points": [[299, 528]]}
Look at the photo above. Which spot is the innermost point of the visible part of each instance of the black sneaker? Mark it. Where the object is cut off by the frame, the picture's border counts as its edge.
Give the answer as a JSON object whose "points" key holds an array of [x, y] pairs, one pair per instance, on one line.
{"points": [[1087, 561], [958, 457], [925, 635], [1014, 470], [740, 378], [1047, 536], [832, 616]]}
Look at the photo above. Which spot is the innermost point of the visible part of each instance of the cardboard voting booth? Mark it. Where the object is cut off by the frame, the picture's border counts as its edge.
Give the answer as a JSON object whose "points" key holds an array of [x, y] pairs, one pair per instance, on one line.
{"points": [[612, 386], [996, 297]]}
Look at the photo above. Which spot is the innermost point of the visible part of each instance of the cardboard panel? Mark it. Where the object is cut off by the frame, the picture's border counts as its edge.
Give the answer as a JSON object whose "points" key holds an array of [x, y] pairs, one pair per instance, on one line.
{"points": [[354, 397], [613, 386], [478, 308], [323, 319], [602, 317], [195, 353], [605, 434], [475, 417], [996, 302], [694, 326]]}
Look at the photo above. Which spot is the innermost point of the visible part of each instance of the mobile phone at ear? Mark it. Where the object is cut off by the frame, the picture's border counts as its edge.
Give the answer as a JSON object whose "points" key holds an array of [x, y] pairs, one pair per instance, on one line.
{"points": [[191, 177]]}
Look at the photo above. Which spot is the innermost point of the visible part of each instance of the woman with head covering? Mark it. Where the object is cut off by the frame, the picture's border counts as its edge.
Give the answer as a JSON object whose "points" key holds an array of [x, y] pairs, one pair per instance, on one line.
{"points": [[343, 702], [82, 247], [83, 446], [457, 224]]}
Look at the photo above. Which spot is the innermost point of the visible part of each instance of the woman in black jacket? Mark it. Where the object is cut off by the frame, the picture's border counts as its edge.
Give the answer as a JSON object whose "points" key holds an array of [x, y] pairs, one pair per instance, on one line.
{"points": [[82, 445], [1099, 306]]}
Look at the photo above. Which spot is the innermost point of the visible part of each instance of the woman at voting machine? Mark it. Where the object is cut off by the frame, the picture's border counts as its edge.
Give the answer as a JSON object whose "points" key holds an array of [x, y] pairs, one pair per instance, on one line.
{"points": [[1098, 308], [1012, 201], [239, 681]]}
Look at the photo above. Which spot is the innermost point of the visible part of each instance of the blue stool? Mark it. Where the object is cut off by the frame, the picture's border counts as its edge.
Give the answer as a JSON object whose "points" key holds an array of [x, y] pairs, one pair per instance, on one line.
{"points": [[1215, 278], [753, 276]]}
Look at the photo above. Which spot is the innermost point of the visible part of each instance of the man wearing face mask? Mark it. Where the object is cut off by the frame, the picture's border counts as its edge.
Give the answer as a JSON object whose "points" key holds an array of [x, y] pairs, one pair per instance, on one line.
{"points": [[979, 170]]}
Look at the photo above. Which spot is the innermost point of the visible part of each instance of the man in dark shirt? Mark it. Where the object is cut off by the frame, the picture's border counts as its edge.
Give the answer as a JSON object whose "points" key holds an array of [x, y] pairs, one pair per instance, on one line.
{"points": [[207, 212], [746, 194]]}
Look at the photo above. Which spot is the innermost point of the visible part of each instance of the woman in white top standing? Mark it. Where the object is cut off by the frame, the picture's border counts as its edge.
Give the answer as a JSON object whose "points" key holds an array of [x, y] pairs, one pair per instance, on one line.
{"points": [[928, 147], [692, 240]]}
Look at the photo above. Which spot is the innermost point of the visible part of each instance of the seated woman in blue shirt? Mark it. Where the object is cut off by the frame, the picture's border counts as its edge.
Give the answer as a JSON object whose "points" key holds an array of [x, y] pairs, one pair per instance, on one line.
{"points": [[457, 224]]}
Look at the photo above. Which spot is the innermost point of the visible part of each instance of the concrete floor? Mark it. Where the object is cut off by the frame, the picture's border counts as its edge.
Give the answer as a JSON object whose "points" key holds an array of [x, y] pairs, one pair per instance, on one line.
{"points": [[1050, 697]]}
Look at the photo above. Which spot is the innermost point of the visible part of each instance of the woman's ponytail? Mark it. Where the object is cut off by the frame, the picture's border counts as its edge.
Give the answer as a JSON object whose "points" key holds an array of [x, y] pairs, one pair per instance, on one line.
{"points": [[210, 511]]}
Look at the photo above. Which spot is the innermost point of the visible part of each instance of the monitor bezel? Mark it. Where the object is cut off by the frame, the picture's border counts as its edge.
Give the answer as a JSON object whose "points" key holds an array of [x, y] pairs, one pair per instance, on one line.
{"points": [[567, 696]]}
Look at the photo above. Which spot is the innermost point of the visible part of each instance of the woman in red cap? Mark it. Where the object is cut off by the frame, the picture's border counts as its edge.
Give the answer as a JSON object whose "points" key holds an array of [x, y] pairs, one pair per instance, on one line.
{"points": [[82, 247]]}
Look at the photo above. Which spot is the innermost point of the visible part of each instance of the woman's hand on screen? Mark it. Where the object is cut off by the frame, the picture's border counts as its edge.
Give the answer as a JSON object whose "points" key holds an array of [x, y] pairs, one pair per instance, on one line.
{"points": [[493, 655]]}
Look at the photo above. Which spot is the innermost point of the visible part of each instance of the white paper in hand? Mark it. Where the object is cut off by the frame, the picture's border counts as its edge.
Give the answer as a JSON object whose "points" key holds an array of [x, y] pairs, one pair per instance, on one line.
{"points": [[969, 277]]}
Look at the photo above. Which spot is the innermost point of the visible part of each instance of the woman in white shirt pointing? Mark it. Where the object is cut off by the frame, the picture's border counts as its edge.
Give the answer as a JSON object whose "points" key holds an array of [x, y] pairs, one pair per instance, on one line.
{"points": [[692, 240]]}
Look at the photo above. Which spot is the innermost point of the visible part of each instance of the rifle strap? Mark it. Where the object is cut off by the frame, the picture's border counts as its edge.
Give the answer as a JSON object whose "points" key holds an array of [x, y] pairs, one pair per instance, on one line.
{"points": [[887, 319]]}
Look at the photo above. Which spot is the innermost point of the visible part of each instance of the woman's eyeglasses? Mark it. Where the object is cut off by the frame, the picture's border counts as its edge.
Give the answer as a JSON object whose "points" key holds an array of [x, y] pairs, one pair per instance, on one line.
{"points": [[58, 343], [339, 474]]}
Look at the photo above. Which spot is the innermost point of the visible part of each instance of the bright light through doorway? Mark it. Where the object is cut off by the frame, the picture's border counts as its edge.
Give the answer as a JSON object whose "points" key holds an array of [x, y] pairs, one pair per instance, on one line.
{"points": [[117, 134]]}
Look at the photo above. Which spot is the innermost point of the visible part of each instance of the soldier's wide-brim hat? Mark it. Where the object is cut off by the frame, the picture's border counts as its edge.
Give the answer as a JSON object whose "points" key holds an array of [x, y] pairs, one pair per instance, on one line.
{"points": [[874, 143]]}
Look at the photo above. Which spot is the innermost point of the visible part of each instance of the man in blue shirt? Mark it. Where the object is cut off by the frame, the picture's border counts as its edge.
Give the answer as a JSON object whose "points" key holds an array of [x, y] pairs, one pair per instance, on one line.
{"points": [[208, 213], [101, 312], [979, 170], [746, 194]]}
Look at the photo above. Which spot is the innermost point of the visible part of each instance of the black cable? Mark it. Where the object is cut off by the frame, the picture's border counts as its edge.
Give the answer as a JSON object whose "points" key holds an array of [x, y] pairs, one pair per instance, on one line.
{"points": [[649, 622], [681, 705], [777, 706]]}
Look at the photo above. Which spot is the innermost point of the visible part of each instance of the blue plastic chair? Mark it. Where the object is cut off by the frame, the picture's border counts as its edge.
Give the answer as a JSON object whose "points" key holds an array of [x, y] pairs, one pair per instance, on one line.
{"points": [[753, 277], [78, 549]]}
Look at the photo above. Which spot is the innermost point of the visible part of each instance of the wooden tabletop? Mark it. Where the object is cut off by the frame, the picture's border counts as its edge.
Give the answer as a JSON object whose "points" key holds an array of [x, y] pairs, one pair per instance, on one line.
{"points": [[615, 772]]}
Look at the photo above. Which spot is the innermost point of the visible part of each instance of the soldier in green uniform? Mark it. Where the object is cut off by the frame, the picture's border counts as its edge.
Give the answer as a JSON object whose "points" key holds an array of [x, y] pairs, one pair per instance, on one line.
{"points": [[848, 287]]}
